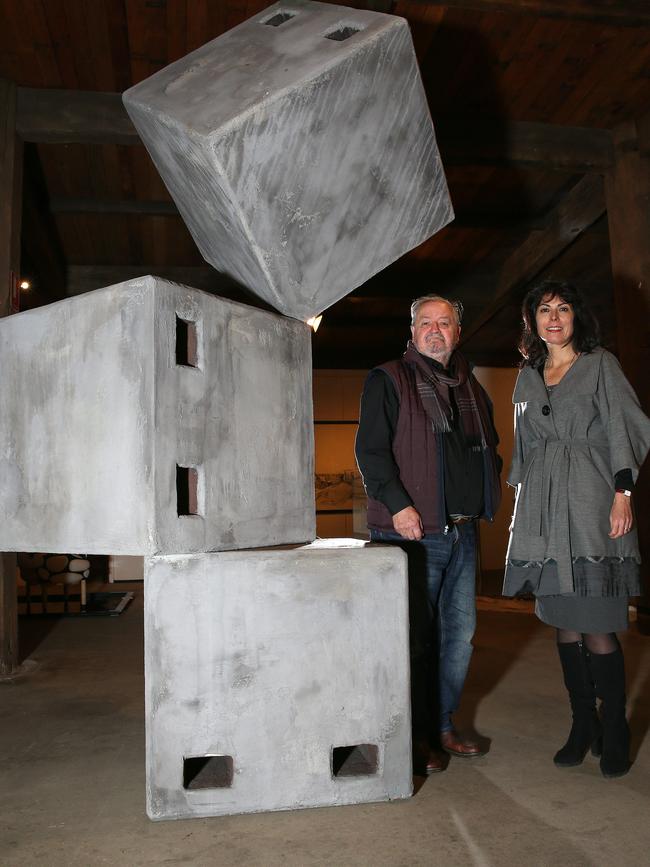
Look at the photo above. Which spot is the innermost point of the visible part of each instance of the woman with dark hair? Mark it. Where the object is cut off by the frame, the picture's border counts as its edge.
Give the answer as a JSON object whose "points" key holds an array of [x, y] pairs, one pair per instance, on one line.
{"points": [[580, 439]]}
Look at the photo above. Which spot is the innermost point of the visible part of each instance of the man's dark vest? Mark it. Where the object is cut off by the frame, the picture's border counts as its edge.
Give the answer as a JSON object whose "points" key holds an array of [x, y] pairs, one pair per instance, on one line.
{"points": [[417, 450]]}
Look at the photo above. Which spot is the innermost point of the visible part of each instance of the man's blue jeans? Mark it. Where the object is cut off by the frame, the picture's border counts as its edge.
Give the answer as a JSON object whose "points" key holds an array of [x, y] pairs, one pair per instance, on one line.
{"points": [[442, 613]]}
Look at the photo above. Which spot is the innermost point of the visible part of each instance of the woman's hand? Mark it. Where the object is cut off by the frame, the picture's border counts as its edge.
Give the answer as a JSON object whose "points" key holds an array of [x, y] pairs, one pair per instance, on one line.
{"points": [[621, 519]]}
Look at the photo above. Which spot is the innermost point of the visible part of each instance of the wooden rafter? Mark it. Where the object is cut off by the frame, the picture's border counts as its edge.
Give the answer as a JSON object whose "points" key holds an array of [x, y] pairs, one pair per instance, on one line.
{"points": [[629, 13], [466, 219], [583, 205], [643, 135], [386, 6], [74, 116], [526, 144], [147, 208]]}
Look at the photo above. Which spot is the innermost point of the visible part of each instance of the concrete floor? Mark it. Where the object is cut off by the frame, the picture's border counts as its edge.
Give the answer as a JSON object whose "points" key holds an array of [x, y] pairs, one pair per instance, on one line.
{"points": [[72, 769]]}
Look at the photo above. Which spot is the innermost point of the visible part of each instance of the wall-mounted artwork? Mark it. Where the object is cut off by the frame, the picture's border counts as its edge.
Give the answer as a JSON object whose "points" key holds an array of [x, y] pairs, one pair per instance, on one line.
{"points": [[335, 465], [334, 490]]}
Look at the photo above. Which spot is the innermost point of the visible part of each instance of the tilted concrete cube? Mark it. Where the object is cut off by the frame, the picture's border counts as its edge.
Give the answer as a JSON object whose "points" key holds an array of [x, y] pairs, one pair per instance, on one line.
{"points": [[148, 417], [299, 150], [276, 680]]}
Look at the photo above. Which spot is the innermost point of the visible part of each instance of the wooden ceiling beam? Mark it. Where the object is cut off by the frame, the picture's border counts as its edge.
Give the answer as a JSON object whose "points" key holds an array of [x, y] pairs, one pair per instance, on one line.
{"points": [[145, 208], [385, 6], [498, 222], [11, 181], [525, 144], [73, 117], [401, 280], [151, 208], [88, 117], [643, 134], [581, 208], [86, 278], [628, 13]]}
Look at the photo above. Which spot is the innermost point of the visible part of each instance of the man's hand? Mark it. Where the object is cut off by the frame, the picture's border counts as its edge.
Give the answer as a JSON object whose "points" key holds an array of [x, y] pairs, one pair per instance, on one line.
{"points": [[620, 517], [408, 523]]}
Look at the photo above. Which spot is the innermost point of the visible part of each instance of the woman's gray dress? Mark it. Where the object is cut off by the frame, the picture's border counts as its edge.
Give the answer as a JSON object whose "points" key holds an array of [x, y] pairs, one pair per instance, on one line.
{"points": [[569, 444]]}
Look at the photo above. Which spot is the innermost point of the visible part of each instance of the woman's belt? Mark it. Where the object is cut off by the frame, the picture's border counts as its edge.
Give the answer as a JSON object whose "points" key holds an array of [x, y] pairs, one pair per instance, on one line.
{"points": [[554, 462]]}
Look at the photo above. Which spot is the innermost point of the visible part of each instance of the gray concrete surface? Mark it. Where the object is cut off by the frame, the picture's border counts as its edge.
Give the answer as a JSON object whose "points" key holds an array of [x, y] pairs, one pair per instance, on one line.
{"points": [[72, 770], [263, 670], [96, 416], [301, 164]]}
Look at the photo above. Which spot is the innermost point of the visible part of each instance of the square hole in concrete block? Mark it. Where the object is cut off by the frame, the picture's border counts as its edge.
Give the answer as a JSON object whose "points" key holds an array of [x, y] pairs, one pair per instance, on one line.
{"points": [[186, 343], [342, 32], [187, 490], [358, 760], [279, 18], [207, 772]]}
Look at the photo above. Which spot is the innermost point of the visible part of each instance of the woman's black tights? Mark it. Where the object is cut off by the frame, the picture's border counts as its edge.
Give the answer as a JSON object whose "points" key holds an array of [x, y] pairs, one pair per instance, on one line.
{"points": [[597, 642]]}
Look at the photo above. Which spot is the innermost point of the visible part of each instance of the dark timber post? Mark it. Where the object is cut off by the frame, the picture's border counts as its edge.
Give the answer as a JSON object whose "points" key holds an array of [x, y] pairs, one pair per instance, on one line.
{"points": [[10, 214], [627, 188]]}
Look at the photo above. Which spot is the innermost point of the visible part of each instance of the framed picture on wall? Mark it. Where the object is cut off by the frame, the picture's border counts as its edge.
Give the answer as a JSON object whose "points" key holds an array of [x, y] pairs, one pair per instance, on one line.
{"points": [[334, 490], [335, 466]]}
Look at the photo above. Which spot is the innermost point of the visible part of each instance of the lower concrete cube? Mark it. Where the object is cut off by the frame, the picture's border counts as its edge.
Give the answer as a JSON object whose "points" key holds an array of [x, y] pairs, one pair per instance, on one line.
{"points": [[276, 679]]}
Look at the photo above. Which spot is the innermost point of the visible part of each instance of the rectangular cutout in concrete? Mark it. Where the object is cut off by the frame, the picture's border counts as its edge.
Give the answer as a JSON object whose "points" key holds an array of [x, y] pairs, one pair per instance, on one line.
{"points": [[186, 343], [279, 18], [187, 494], [358, 760], [343, 32], [207, 772]]}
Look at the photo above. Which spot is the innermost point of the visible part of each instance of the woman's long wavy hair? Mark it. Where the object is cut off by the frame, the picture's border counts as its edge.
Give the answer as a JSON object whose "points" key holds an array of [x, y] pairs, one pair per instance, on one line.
{"points": [[586, 331]]}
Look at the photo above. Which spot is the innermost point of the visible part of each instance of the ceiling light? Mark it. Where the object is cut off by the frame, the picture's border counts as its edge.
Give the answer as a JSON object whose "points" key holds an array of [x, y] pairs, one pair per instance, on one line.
{"points": [[24, 285]]}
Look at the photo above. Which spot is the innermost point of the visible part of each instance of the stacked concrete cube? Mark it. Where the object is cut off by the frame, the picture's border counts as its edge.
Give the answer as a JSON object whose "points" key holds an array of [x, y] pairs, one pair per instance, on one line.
{"points": [[149, 418], [276, 680], [299, 150]]}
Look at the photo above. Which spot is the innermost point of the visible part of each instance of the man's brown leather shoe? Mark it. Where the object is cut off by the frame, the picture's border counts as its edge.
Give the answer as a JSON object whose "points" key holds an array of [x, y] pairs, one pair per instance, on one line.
{"points": [[452, 743], [436, 762], [427, 761]]}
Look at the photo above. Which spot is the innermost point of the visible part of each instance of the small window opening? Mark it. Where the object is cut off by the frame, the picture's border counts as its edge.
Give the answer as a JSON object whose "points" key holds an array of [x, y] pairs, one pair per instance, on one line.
{"points": [[358, 760], [207, 772], [279, 18], [343, 32], [186, 343], [187, 494]]}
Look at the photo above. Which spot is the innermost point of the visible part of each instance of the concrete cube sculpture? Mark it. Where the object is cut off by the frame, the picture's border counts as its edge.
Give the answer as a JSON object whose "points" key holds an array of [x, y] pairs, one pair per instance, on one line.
{"points": [[276, 680], [299, 150], [148, 417]]}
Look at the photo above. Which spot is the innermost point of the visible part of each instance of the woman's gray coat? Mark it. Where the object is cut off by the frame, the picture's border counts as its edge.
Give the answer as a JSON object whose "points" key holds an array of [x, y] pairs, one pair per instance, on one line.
{"points": [[568, 448]]}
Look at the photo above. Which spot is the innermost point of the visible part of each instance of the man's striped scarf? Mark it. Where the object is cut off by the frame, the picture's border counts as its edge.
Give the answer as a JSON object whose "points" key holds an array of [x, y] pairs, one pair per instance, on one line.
{"points": [[433, 384]]}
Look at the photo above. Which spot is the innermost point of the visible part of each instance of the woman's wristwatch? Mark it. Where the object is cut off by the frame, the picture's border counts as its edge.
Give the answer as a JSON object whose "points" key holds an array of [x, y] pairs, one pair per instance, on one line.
{"points": [[623, 491]]}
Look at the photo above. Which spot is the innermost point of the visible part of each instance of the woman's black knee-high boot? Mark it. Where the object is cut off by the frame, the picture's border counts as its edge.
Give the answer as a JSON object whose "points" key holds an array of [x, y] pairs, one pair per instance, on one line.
{"points": [[608, 670], [585, 729]]}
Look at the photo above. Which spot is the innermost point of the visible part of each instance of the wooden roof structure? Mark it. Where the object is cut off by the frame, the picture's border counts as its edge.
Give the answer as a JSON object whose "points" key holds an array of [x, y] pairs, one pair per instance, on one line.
{"points": [[542, 111], [530, 100]]}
